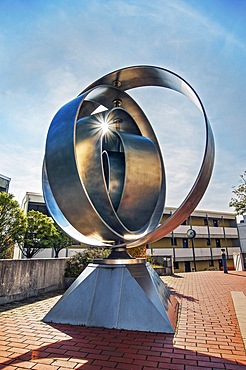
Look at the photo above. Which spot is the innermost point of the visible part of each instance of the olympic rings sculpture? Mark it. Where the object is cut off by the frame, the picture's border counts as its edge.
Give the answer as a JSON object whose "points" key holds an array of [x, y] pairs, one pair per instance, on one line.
{"points": [[103, 172]]}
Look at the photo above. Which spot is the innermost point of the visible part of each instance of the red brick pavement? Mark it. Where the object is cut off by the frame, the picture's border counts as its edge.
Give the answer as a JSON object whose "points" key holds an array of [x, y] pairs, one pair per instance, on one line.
{"points": [[207, 335]]}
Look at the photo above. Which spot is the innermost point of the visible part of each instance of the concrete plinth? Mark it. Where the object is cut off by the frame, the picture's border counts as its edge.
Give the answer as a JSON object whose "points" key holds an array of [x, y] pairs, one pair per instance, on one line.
{"points": [[122, 296]]}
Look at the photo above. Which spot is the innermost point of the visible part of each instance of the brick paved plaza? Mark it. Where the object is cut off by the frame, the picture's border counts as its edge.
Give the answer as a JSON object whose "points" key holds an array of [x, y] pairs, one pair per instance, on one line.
{"points": [[207, 335]]}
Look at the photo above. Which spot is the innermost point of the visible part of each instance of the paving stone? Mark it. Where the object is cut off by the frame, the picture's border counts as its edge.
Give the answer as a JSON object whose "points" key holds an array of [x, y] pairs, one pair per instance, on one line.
{"points": [[207, 335]]}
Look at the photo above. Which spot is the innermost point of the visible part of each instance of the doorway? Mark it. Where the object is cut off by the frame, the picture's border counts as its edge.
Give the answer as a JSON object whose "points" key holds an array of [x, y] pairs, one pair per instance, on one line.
{"points": [[187, 266]]}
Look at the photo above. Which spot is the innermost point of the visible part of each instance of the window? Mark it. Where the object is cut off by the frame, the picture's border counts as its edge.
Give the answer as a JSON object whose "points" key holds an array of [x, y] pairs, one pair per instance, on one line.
{"points": [[208, 241], [215, 222], [185, 242], [176, 265], [173, 241], [38, 207], [217, 241]]}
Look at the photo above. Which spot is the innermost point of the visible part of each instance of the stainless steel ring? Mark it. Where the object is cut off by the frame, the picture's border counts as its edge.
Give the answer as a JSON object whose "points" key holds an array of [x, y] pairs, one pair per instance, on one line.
{"points": [[77, 187]]}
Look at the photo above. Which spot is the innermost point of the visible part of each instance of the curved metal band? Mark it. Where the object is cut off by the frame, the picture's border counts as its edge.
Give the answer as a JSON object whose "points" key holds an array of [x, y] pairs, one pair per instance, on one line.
{"points": [[88, 151], [58, 216], [63, 178], [142, 187], [68, 201], [132, 77], [105, 96], [114, 172]]}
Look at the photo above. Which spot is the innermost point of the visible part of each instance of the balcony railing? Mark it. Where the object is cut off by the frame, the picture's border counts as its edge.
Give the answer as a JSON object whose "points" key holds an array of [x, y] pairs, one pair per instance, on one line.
{"points": [[202, 232], [186, 254]]}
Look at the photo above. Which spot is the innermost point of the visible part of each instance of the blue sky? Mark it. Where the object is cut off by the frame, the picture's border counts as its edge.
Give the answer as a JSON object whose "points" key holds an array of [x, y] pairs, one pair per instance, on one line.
{"points": [[51, 50]]}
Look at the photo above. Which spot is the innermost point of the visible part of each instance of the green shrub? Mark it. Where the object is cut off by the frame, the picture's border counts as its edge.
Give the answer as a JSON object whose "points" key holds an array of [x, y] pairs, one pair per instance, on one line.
{"points": [[79, 261], [138, 252]]}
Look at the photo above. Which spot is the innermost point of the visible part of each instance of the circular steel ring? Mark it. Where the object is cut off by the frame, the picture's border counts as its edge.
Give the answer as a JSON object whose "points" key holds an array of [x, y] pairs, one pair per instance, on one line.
{"points": [[139, 76], [61, 192], [73, 180]]}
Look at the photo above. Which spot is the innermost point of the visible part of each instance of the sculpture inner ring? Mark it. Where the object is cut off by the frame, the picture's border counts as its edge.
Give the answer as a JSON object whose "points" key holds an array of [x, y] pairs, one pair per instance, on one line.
{"points": [[103, 173]]}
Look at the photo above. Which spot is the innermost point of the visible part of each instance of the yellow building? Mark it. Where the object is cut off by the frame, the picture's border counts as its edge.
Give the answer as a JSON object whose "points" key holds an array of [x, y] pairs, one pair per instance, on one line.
{"points": [[213, 231]]}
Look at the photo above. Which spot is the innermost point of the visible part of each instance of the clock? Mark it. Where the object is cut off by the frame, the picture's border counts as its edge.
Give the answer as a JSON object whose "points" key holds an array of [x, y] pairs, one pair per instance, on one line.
{"points": [[191, 234]]}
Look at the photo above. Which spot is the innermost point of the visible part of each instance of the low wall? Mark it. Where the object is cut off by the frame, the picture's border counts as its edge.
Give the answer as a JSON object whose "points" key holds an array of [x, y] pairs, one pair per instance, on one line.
{"points": [[20, 279]]}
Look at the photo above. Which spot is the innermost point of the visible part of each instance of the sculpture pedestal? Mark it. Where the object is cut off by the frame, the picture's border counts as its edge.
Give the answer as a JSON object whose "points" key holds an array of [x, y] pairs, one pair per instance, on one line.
{"points": [[118, 295]]}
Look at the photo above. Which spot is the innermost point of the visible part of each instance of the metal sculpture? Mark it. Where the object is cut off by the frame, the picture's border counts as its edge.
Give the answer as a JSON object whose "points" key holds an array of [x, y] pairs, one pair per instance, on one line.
{"points": [[104, 184], [103, 177]]}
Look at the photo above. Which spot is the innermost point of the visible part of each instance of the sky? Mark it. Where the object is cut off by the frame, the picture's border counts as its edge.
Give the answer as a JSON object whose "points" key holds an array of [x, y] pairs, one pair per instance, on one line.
{"points": [[51, 50]]}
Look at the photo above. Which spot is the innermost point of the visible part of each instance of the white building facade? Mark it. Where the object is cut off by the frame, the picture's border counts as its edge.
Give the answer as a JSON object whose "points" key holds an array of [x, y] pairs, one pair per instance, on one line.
{"points": [[242, 237]]}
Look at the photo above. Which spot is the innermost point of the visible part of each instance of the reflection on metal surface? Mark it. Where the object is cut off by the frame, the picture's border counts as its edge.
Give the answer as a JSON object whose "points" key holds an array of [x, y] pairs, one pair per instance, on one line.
{"points": [[103, 173]]}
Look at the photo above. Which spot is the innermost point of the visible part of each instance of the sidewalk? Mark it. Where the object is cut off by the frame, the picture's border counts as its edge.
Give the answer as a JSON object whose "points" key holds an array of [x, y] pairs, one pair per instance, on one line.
{"points": [[207, 336]]}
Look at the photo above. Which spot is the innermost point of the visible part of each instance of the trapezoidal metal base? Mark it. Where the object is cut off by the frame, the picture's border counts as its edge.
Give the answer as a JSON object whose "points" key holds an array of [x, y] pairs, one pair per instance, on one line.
{"points": [[121, 296]]}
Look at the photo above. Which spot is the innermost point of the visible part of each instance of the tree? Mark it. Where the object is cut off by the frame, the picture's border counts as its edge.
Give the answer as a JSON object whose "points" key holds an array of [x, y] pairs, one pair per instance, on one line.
{"points": [[12, 224], [38, 235], [239, 202], [59, 240]]}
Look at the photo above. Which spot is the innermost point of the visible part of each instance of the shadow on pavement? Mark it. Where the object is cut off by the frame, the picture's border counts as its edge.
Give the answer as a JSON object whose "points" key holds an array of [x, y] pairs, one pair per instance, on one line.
{"points": [[179, 295], [177, 276], [30, 300], [100, 348], [244, 276]]}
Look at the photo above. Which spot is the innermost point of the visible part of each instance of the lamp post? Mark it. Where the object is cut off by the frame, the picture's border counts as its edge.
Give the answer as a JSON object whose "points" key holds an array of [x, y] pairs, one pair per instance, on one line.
{"points": [[191, 235]]}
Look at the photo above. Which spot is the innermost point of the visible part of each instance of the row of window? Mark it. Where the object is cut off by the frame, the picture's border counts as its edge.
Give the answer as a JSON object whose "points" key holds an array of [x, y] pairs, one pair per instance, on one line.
{"points": [[185, 242], [215, 222], [188, 265]]}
